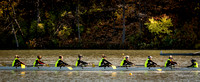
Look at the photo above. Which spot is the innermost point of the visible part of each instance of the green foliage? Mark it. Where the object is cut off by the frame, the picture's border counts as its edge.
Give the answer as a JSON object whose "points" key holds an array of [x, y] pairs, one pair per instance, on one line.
{"points": [[160, 26], [36, 27]]}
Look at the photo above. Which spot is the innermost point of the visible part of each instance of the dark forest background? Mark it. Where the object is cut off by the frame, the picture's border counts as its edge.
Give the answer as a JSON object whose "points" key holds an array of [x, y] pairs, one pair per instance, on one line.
{"points": [[99, 24]]}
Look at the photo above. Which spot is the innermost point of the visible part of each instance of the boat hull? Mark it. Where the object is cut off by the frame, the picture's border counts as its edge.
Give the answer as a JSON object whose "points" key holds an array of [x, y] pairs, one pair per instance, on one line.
{"points": [[181, 54], [98, 69]]}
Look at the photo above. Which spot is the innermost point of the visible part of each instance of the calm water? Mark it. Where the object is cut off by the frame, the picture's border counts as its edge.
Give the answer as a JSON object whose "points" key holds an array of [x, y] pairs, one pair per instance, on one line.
{"points": [[114, 56]]}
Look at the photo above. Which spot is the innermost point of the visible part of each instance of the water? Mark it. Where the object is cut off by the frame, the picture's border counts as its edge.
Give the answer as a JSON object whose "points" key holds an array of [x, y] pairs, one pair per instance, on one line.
{"points": [[99, 76], [70, 56]]}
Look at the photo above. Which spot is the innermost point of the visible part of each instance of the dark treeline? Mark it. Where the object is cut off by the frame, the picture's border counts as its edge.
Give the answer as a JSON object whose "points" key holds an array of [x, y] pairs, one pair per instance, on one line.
{"points": [[99, 24]]}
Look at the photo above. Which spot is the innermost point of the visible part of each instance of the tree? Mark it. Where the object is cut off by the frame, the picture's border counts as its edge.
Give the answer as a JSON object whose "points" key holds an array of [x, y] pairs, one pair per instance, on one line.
{"points": [[160, 25]]}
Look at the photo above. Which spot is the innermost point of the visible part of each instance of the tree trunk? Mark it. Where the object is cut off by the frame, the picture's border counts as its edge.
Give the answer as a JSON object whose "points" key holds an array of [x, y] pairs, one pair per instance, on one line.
{"points": [[140, 18], [38, 16], [77, 9], [14, 18], [13, 29], [123, 36], [114, 19]]}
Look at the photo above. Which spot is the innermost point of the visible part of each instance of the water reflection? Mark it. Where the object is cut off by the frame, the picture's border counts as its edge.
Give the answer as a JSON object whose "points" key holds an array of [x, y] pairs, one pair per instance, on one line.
{"points": [[99, 76], [22, 73], [114, 74]]}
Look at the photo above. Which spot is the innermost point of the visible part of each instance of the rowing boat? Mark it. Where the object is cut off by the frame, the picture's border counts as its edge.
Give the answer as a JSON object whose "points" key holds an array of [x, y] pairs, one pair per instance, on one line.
{"points": [[183, 54], [98, 69]]}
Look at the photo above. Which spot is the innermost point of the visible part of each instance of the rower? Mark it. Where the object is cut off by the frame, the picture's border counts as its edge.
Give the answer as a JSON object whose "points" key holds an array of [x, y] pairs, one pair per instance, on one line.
{"points": [[79, 61], [38, 62], [17, 62], [60, 62], [125, 62], [149, 62], [170, 62], [194, 64], [103, 62]]}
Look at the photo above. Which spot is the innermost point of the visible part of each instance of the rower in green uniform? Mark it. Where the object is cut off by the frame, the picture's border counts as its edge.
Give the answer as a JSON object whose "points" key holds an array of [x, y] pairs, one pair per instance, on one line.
{"points": [[79, 61], [125, 62], [38, 62], [194, 64], [60, 62], [17, 62], [103, 62], [149, 62], [170, 62]]}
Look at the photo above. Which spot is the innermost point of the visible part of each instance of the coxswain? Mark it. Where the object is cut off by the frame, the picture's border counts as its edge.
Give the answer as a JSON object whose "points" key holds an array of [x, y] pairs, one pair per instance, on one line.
{"points": [[60, 62], [17, 62], [194, 64], [103, 62], [149, 62], [38, 62], [125, 62], [170, 62], [79, 61]]}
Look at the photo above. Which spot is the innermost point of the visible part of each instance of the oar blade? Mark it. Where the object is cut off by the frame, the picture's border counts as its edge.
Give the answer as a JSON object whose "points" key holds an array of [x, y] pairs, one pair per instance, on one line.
{"points": [[114, 67], [23, 66], [47, 65], [159, 69], [93, 65], [70, 68]]}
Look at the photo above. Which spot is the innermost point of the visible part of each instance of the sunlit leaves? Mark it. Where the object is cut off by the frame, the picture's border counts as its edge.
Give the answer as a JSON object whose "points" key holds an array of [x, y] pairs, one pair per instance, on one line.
{"points": [[63, 14], [1, 12], [65, 32], [40, 25], [161, 25]]}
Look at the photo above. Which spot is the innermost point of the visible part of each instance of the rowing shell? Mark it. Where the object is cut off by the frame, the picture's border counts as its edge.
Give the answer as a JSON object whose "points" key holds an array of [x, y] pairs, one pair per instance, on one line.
{"points": [[181, 54], [98, 69]]}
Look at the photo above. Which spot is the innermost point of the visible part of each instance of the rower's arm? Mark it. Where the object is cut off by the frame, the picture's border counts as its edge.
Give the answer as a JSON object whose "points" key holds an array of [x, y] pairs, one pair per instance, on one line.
{"points": [[150, 61], [83, 62], [61, 62], [193, 64], [172, 62], [40, 62], [18, 61], [107, 61]]}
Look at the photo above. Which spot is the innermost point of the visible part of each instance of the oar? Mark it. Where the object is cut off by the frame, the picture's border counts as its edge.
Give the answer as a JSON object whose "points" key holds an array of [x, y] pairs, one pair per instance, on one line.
{"points": [[114, 67], [93, 65], [23, 66], [69, 67]]}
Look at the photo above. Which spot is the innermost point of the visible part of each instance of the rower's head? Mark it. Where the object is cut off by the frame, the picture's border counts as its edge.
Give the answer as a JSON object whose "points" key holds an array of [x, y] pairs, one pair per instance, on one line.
{"points": [[16, 56], [61, 57], [80, 56], [127, 57], [193, 60], [150, 57], [39, 57], [103, 56], [170, 57]]}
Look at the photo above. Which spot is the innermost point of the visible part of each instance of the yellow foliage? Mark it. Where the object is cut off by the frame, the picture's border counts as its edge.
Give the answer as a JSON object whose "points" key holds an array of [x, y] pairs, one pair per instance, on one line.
{"points": [[1, 12], [160, 26], [63, 14], [69, 12], [47, 14], [40, 25]]}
